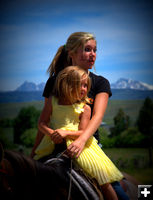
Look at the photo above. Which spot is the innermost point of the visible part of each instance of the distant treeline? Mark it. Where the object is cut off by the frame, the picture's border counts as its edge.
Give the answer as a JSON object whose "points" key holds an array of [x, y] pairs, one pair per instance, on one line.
{"points": [[118, 94]]}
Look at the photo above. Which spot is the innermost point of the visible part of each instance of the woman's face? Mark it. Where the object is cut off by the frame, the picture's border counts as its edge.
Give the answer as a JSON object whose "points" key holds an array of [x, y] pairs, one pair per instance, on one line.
{"points": [[85, 56]]}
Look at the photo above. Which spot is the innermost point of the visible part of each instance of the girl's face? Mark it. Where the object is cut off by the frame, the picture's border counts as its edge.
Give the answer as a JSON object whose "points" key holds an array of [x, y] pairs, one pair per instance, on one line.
{"points": [[85, 56], [83, 88]]}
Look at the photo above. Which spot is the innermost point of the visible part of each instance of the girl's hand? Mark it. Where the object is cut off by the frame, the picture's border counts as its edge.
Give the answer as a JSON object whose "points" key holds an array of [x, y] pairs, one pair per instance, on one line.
{"points": [[75, 148], [61, 132], [56, 137]]}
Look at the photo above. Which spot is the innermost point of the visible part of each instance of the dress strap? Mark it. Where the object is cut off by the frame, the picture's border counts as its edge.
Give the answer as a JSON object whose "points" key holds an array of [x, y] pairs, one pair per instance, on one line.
{"points": [[54, 100]]}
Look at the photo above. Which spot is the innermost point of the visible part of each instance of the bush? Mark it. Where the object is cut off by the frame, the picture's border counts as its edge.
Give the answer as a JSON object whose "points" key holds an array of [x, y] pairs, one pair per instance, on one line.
{"points": [[6, 122], [145, 121], [4, 140], [26, 119], [121, 123], [130, 138], [104, 139], [28, 137]]}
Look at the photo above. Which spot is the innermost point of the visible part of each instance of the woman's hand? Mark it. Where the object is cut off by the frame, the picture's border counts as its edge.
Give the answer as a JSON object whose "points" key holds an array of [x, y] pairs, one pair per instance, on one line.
{"points": [[75, 148]]}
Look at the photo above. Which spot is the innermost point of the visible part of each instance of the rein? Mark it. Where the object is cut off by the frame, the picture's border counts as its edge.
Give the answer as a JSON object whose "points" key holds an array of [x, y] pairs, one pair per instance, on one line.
{"points": [[70, 184]]}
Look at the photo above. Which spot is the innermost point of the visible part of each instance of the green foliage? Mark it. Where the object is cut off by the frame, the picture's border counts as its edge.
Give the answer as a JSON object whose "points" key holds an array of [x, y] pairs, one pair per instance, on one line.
{"points": [[145, 120], [121, 123], [106, 141], [6, 122], [4, 140], [130, 138], [26, 119], [28, 137]]}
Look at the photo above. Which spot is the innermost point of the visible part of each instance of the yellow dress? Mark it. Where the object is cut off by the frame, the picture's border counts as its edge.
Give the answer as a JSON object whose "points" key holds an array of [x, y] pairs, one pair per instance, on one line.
{"points": [[92, 159]]}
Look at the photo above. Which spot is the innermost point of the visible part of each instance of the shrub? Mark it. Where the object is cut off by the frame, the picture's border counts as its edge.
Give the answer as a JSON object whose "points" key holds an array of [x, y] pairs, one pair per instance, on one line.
{"points": [[28, 137], [26, 119], [106, 141]]}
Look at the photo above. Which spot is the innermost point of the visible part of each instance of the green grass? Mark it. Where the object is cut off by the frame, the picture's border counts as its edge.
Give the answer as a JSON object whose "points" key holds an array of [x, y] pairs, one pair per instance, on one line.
{"points": [[114, 153], [10, 110], [144, 176], [134, 161], [130, 107]]}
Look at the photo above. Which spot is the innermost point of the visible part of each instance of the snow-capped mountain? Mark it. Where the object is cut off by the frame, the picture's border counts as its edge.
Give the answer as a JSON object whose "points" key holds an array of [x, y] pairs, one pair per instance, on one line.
{"points": [[30, 86], [123, 83]]}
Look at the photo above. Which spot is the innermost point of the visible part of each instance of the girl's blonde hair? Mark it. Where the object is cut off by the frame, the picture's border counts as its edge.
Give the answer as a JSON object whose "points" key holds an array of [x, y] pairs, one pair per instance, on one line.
{"points": [[68, 83], [62, 59]]}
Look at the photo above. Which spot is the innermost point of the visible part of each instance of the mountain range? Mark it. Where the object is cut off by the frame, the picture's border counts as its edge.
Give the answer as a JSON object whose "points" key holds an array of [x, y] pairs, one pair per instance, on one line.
{"points": [[121, 83], [30, 86], [123, 89]]}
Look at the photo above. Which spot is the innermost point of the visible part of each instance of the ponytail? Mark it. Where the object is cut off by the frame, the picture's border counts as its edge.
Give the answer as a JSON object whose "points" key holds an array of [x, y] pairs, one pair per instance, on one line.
{"points": [[60, 61]]}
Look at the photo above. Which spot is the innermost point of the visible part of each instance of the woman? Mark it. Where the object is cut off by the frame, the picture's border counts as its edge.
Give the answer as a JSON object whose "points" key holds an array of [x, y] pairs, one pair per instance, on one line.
{"points": [[80, 49]]}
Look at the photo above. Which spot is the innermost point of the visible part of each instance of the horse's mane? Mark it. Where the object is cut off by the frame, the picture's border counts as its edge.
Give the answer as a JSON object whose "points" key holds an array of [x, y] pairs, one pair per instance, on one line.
{"points": [[28, 167], [20, 162], [30, 179]]}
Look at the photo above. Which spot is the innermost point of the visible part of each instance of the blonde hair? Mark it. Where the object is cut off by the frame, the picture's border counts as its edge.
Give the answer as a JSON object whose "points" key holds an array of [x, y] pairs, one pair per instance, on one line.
{"points": [[62, 59], [68, 83]]}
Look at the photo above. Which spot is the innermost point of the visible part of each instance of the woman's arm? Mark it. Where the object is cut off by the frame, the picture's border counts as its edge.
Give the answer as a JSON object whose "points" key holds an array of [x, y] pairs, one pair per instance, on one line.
{"points": [[100, 105]]}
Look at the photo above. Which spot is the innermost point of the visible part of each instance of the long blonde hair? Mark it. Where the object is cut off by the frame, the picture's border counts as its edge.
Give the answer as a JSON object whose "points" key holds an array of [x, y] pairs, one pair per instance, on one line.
{"points": [[62, 59], [68, 83]]}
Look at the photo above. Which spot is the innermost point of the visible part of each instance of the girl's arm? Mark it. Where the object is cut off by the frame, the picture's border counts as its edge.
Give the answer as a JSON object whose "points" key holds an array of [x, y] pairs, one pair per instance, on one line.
{"points": [[44, 121], [100, 105], [84, 120]]}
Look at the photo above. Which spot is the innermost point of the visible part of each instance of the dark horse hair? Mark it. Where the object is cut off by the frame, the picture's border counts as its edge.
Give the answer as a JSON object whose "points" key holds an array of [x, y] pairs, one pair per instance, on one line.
{"points": [[23, 178]]}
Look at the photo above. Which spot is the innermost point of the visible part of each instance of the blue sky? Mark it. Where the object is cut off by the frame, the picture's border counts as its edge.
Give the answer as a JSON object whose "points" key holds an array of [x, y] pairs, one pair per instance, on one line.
{"points": [[32, 30]]}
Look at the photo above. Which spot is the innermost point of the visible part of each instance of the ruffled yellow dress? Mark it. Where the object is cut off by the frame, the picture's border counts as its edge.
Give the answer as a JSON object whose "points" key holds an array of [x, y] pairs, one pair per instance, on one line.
{"points": [[92, 159]]}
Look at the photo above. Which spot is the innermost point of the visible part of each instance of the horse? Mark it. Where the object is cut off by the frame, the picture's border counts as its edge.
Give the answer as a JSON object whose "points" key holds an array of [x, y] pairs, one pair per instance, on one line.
{"points": [[57, 179], [21, 177]]}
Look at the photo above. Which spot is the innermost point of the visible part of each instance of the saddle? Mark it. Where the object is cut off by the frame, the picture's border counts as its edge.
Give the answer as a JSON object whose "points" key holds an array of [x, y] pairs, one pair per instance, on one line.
{"points": [[74, 176]]}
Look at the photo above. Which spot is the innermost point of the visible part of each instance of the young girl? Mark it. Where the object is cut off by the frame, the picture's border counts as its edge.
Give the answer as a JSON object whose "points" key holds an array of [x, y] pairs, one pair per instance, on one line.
{"points": [[66, 115]]}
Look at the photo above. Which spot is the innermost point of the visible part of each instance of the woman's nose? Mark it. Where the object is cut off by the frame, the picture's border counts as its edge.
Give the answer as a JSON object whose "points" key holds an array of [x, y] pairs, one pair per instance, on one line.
{"points": [[93, 53]]}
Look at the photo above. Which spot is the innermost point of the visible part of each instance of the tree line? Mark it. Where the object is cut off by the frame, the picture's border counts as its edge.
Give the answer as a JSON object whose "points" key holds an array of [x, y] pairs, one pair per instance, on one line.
{"points": [[122, 134]]}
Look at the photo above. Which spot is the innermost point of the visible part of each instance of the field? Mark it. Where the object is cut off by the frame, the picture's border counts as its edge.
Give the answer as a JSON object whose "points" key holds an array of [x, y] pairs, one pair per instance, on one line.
{"points": [[130, 107], [10, 110], [131, 160], [134, 161]]}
